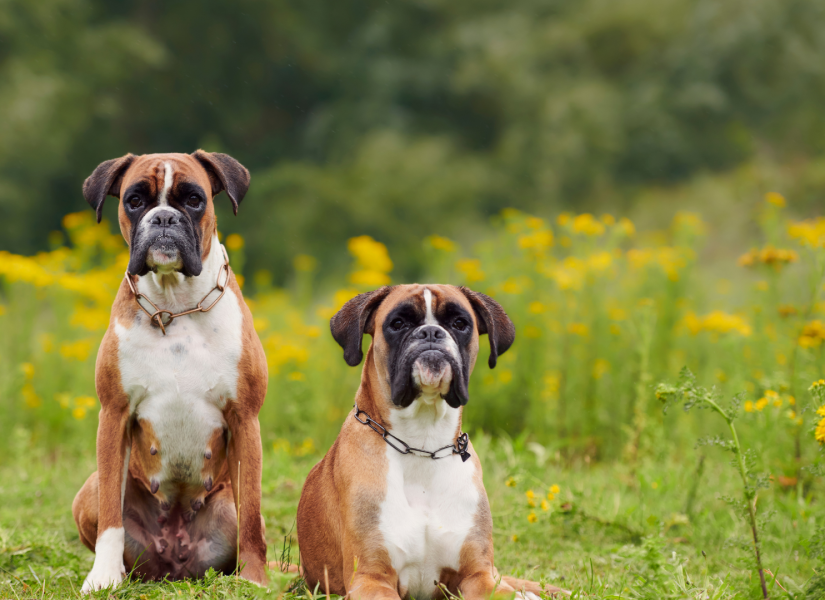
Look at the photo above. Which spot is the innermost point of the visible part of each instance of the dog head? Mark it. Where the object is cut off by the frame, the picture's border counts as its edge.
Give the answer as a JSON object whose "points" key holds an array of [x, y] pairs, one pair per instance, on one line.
{"points": [[425, 337], [166, 212]]}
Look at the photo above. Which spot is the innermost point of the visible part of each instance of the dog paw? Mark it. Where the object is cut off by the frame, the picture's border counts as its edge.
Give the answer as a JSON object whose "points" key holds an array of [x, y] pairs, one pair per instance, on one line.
{"points": [[104, 576], [525, 595]]}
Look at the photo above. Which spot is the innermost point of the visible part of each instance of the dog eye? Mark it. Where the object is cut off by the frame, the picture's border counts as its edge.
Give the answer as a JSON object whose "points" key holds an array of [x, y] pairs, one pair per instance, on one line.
{"points": [[460, 324], [194, 201], [134, 201], [397, 324]]}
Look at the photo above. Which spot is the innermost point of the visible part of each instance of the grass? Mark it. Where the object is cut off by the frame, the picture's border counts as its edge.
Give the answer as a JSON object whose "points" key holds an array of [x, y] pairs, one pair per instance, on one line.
{"points": [[659, 531]]}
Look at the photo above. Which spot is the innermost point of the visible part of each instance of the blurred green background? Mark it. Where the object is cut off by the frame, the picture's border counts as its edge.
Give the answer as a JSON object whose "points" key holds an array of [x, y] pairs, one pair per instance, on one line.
{"points": [[405, 118]]}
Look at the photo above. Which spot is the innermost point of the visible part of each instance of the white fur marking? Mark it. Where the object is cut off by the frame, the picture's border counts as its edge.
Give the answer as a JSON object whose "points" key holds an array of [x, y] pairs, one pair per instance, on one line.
{"points": [[430, 506], [429, 319], [182, 381], [108, 570], [167, 185]]}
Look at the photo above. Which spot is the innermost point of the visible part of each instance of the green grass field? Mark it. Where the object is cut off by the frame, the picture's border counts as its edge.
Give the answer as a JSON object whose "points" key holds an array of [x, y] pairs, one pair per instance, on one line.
{"points": [[658, 532], [593, 487]]}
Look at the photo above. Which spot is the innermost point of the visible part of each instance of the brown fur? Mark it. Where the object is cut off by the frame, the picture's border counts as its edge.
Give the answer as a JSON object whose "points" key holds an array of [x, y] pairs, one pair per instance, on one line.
{"points": [[340, 502], [167, 539]]}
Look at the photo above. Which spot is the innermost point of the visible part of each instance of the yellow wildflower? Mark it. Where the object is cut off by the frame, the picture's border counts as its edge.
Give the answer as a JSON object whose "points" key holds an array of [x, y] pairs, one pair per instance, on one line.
{"points": [[530, 494], [608, 219], [819, 434], [564, 218], [297, 376], [761, 404], [532, 518], [28, 370], [79, 413], [809, 233], [78, 350], [471, 268], [749, 406], [30, 396], [370, 254], [511, 482], [775, 198], [536, 308], [514, 537], [717, 322], [551, 496], [770, 256], [234, 242], [600, 367], [555, 489], [441, 243], [587, 224], [544, 505], [813, 333], [506, 376], [579, 329]]}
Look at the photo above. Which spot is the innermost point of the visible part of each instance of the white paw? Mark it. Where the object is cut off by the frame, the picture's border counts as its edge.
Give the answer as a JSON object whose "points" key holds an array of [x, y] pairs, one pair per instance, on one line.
{"points": [[102, 577], [108, 570], [525, 595]]}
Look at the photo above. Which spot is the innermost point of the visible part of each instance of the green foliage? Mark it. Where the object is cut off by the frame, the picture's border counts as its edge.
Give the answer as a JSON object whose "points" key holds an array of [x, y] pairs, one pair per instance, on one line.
{"points": [[404, 118]]}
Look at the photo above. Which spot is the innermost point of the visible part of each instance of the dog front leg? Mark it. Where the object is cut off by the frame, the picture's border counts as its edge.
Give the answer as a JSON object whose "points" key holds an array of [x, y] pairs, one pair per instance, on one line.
{"points": [[245, 450], [112, 465]]}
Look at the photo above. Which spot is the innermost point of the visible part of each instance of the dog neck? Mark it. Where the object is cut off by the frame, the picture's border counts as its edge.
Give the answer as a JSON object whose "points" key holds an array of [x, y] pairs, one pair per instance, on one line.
{"points": [[174, 291]]}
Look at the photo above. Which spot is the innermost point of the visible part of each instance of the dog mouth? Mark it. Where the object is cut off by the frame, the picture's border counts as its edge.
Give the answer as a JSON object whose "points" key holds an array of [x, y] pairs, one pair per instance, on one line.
{"points": [[163, 254], [430, 375]]}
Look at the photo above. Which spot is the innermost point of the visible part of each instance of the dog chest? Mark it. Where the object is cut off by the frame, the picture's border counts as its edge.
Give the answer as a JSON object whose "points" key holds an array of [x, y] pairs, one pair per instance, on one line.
{"points": [[180, 382], [428, 511]]}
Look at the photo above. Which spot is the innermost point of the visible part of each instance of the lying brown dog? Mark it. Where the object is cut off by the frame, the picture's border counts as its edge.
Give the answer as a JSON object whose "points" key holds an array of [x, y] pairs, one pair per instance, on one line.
{"points": [[397, 507]]}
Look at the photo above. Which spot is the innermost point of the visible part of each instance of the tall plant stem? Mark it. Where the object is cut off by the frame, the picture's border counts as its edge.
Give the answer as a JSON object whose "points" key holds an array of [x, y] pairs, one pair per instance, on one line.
{"points": [[750, 502]]}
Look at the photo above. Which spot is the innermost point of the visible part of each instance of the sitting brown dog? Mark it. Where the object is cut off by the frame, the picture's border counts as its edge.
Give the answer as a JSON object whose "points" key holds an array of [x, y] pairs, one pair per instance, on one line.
{"points": [[397, 507], [181, 376]]}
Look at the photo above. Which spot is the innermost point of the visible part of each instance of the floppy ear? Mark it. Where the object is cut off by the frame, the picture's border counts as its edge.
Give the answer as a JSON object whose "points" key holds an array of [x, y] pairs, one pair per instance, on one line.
{"points": [[225, 173], [493, 321], [105, 181], [351, 322]]}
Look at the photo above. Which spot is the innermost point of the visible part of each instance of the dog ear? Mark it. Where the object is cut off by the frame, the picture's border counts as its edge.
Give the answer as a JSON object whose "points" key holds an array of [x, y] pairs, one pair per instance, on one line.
{"points": [[353, 320], [225, 173], [493, 321], [105, 181]]}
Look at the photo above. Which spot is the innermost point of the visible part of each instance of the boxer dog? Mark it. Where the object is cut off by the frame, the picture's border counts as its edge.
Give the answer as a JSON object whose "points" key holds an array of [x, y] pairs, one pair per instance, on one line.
{"points": [[397, 507], [181, 376]]}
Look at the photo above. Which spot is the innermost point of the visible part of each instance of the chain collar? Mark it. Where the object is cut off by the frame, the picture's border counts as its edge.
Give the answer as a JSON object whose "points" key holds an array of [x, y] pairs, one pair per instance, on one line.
{"points": [[164, 317], [459, 447]]}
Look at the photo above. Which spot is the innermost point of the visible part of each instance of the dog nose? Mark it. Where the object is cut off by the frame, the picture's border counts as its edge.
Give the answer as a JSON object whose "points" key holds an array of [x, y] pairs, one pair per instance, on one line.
{"points": [[165, 218], [430, 333]]}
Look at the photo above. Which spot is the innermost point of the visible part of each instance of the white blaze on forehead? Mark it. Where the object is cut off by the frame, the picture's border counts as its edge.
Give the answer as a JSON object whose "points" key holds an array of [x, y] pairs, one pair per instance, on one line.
{"points": [[429, 319], [167, 184]]}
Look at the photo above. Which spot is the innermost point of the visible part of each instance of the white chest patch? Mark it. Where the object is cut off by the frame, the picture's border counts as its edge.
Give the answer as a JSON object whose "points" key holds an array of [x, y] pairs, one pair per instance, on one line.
{"points": [[430, 505], [180, 382]]}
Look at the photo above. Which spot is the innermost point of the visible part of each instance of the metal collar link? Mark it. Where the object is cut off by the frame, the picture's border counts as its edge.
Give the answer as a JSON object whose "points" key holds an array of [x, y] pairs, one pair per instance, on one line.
{"points": [[459, 447], [164, 317]]}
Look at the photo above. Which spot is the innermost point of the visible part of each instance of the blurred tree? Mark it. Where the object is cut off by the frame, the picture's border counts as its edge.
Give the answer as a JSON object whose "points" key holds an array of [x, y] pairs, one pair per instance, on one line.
{"points": [[400, 119]]}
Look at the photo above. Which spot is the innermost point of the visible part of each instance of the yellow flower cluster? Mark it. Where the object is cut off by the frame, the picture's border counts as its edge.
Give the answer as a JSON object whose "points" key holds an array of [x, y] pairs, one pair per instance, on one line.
{"points": [[553, 491], [373, 262], [769, 256], [810, 233], [717, 322], [471, 269], [813, 333], [671, 260], [770, 397], [441, 243]]}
